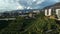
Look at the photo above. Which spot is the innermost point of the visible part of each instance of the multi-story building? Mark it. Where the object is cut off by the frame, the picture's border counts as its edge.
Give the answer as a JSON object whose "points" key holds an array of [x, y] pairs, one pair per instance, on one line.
{"points": [[53, 10]]}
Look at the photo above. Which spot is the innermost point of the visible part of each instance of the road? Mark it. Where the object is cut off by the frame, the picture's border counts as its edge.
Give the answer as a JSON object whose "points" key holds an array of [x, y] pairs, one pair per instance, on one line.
{"points": [[8, 19]]}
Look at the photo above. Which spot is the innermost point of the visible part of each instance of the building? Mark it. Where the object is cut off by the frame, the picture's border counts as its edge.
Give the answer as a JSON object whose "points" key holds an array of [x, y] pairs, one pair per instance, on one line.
{"points": [[53, 10]]}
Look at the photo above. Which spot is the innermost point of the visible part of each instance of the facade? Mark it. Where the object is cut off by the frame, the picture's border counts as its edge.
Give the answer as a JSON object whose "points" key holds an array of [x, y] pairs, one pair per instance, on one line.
{"points": [[53, 10]]}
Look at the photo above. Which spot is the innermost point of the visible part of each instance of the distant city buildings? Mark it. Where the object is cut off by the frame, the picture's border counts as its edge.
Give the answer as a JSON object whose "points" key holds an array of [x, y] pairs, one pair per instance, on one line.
{"points": [[22, 13]]}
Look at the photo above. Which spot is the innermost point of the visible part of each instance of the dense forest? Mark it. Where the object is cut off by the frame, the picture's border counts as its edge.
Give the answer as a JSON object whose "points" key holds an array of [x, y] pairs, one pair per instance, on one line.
{"points": [[39, 25]]}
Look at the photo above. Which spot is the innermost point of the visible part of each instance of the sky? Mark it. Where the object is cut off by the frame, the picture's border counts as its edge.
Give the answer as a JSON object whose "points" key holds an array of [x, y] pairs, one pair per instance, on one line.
{"points": [[8, 5]]}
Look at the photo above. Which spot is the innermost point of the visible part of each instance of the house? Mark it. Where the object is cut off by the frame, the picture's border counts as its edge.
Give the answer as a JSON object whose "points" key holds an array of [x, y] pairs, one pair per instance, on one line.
{"points": [[53, 10]]}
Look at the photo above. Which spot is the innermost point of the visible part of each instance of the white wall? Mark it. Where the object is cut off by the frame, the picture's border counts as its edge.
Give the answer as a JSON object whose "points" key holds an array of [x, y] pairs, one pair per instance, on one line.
{"points": [[58, 13], [47, 12]]}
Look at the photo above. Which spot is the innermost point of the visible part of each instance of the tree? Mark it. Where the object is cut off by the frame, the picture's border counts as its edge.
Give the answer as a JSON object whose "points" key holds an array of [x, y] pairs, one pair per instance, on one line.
{"points": [[14, 26]]}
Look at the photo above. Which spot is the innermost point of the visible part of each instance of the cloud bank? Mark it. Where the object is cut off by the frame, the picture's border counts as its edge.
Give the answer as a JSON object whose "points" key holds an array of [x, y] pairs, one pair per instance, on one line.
{"points": [[9, 5], [6, 5], [29, 4]]}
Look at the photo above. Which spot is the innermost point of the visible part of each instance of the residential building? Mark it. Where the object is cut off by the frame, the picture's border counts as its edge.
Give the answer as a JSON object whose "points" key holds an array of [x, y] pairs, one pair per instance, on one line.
{"points": [[53, 10]]}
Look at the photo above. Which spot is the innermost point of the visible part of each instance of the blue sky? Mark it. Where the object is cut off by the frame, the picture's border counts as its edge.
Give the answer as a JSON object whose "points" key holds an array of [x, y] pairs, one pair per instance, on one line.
{"points": [[7, 5]]}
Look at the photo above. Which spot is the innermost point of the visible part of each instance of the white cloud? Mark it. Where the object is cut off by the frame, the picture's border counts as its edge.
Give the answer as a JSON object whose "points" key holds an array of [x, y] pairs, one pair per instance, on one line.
{"points": [[21, 4], [39, 2], [29, 8], [20, 7], [9, 5], [18, 4], [30, 3], [34, 0], [57, 0]]}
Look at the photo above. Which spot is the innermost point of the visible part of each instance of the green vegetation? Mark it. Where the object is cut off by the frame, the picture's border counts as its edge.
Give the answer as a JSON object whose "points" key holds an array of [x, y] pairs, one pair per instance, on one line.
{"points": [[40, 25]]}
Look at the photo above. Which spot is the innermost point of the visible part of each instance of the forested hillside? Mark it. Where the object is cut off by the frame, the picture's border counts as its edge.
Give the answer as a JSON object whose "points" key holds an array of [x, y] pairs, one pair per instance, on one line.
{"points": [[39, 25]]}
